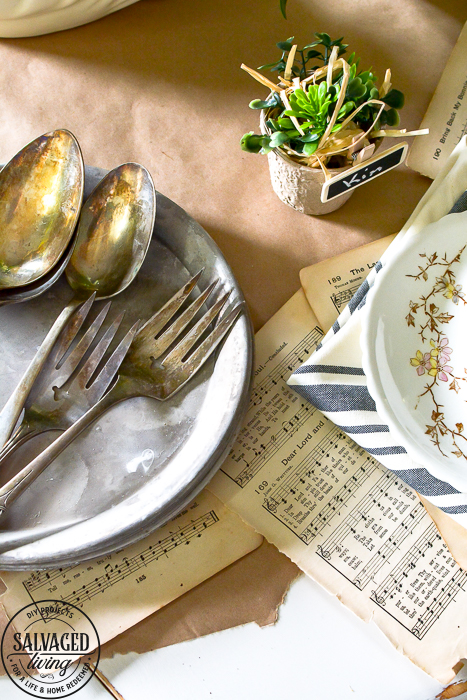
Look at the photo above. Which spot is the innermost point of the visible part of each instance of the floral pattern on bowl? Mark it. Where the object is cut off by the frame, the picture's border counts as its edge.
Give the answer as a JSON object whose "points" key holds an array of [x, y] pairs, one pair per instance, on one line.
{"points": [[425, 316], [414, 344]]}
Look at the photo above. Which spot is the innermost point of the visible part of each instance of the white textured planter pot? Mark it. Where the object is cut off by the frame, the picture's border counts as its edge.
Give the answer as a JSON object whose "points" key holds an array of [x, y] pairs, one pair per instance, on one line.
{"points": [[298, 185]]}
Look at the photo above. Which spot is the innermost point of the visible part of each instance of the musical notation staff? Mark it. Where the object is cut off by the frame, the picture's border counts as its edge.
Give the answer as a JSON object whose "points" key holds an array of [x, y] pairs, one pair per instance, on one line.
{"points": [[301, 488], [418, 597], [341, 499], [447, 595], [341, 299], [40, 578], [263, 452], [114, 573], [386, 550], [360, 513], [286, 366]]}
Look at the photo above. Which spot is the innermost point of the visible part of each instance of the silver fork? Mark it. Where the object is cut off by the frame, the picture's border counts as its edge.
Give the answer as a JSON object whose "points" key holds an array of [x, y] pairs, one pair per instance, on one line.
{"points": [[46, 410], [142, 372]]}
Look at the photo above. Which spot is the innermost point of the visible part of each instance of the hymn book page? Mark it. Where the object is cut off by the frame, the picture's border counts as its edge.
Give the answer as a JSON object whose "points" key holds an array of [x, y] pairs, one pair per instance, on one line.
{"points": [[343, 518], [446, 117], [118, 590]]}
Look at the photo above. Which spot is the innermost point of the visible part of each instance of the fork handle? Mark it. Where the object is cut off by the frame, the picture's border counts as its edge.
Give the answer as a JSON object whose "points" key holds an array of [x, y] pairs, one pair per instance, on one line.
{"points": [[24, 433], [13, 407], [15, 486]]}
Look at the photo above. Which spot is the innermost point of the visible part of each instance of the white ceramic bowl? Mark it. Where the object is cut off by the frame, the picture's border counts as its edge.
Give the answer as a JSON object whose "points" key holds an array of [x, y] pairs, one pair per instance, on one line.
{"points": [[414, 344], [33, 17]]}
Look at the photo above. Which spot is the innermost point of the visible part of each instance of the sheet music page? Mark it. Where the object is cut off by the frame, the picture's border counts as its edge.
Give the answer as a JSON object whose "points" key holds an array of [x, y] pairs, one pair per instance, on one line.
{"points": [[329, 285], [446, 117], [118, 590], [343, 518]]}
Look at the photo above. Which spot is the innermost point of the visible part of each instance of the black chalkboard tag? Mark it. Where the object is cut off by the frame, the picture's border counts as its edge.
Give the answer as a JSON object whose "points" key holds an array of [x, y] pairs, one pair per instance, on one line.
{"points": [[361, 174]]}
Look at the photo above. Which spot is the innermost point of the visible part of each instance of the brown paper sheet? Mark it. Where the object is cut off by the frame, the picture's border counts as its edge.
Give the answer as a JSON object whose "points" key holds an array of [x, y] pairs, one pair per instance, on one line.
{"points": [[250, 590], [159, 82]]}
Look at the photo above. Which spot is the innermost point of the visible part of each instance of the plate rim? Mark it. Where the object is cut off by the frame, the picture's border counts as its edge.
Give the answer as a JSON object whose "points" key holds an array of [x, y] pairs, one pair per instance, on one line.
{"points": [[370, 366]]}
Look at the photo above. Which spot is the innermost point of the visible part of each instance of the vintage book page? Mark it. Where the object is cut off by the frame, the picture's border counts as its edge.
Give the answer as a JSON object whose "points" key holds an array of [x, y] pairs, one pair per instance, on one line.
{"points": [[330, 285], [118, 590], [343, 518], [446, 117]]}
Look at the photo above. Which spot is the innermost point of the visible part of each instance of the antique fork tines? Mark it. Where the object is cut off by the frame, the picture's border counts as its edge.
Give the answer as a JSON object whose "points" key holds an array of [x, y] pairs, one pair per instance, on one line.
{"points": [[49, 406], [145, 371]]}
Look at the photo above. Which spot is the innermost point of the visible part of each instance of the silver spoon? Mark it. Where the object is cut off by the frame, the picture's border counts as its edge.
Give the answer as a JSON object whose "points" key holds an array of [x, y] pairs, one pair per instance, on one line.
{"points": [[113, 237], [41, 190], [35, 289]]}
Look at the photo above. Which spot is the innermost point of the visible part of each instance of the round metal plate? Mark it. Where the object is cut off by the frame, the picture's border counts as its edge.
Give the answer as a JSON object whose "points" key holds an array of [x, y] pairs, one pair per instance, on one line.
{"points": [[142, 462]]}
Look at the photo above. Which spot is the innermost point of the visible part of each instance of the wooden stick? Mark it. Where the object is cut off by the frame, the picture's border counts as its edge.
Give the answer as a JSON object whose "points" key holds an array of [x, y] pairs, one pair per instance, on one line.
{"points": [[103, 680], [289, 64], [345, 80], [322, 72], [326, 173], [260, 78], [350, 117], [332, 59], [386, 86], [397, 132]]}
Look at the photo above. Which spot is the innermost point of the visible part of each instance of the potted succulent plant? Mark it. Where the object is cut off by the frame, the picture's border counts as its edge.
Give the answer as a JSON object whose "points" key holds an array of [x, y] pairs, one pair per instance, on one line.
{"points": [[323, 116]]}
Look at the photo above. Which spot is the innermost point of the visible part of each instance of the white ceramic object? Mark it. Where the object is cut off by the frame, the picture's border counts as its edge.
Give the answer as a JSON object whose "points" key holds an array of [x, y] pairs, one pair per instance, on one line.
{"points": [[414, 343], [33, 17], [298, 185]]}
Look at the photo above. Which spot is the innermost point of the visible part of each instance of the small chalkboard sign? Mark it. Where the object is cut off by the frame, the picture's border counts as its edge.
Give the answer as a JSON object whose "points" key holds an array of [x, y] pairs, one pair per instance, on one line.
{"points": [[361, 174]]}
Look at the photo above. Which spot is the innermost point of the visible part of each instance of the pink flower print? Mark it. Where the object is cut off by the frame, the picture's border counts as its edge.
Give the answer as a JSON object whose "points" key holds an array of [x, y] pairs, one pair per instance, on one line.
{"points": [[440, 355], [444, 351], [422, 362], [434, 363]]}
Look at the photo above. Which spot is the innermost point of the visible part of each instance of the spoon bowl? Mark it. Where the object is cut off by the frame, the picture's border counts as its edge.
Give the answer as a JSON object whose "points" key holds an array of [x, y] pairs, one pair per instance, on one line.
{"points": [[114, 232], [16, 295], [41, 190]]}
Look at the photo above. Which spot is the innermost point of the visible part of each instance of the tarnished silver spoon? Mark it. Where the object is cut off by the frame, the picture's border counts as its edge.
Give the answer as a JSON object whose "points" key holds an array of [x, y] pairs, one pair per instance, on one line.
{"points": [[41, 191]]}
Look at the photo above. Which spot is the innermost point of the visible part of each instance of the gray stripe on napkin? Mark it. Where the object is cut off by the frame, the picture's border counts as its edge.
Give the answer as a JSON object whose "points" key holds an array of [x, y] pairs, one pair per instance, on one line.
{"points": [[329, 369], [337, 397], [460, 205], [362, 429], [454, 510], [425, 483], [359, 295], [396, 450]]}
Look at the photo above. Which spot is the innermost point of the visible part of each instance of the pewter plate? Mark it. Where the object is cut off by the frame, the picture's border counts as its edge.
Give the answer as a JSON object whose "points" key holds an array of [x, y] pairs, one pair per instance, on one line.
{"points": [[142, 462]]}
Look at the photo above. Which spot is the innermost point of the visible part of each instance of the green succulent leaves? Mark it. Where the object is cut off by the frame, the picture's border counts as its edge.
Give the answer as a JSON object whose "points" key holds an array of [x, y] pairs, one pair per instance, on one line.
{"points": [[252, 143], [394, 98], [314, 106]]}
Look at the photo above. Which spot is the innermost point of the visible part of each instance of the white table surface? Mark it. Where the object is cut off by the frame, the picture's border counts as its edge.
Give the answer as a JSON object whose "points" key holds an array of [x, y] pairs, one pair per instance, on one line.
{"points": [[317, 650]]}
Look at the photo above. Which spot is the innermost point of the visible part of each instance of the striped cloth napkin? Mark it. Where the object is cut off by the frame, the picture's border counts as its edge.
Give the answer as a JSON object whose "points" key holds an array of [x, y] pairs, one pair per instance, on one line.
{"points": [[333, 380]]}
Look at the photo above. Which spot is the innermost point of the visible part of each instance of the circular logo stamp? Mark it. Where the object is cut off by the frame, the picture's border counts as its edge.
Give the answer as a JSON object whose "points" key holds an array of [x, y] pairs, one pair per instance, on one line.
{"points": [[50, 648]]}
